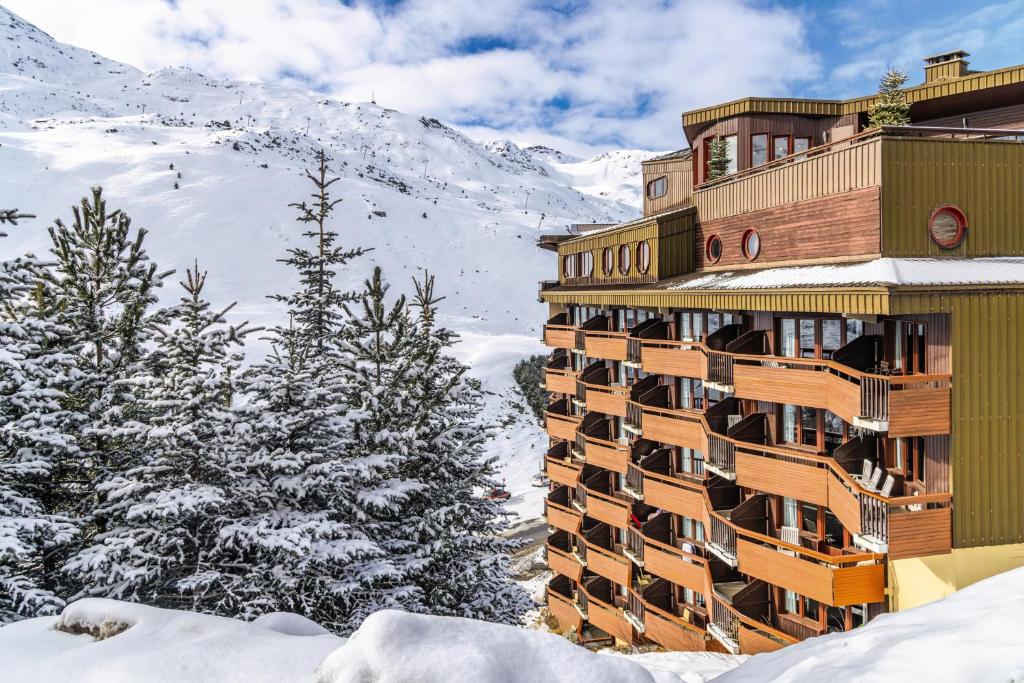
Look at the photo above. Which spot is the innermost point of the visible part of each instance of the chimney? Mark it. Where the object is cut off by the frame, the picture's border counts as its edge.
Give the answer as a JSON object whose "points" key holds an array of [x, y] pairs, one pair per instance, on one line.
{"points": [[946, 66]]}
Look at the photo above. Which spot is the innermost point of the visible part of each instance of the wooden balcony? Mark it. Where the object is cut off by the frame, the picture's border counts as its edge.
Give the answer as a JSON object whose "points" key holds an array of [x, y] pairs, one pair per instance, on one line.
{"points": [[661, 626], [902, 405], [607, 617], [563, 609], [563, 470], [674, 427], [606, 508], [605, 345], [610, 400], [675, 565], [561, 426], [906, 526], [676, 358], [560, 336], [832, 580], [560, 381], [563, 562], [562, 516], [608, 564], [609, 455], [675, 495]]}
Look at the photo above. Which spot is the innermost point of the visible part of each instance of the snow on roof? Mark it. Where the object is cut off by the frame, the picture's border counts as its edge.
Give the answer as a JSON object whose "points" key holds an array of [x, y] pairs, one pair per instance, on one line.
{"points": [[634, 222], [881, 272]]}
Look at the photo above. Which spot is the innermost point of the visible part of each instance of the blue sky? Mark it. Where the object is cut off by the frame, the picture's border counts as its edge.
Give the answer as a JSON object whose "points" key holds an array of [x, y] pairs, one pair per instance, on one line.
{"points": [[580, 75]]}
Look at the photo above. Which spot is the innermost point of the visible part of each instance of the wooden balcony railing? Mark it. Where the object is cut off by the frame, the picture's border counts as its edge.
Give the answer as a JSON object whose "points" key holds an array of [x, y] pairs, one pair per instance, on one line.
{"points": [[607, 563], [902, 405], [563, 609], [606, 345], [562, 517], [561, 426], [560, 381], [562, 470], [604, 507], [560, 336], [728, 624], [563, 562], [906, 526], [610, 400], [610, 455], [605, 616]]}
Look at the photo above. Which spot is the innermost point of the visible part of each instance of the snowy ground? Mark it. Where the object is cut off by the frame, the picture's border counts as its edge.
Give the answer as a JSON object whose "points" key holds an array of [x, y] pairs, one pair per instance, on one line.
{"points": [[209, 167], [973, 635]]}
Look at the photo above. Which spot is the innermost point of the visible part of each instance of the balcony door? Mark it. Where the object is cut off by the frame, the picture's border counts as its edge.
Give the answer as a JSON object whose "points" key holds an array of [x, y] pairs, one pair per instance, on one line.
{"points": [[905, 346]]}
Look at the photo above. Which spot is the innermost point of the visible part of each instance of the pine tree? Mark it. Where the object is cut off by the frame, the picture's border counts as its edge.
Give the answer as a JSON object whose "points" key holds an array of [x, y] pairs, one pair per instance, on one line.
{"points": [[103, 283], [303, 539], [34, 441], [446, 533], [891, 108], [718, 158], [165, 513]]}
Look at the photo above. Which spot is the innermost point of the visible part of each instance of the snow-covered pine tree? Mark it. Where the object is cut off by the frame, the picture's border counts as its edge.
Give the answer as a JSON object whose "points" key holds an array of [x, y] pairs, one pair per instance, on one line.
{"points": [[34, 441], [165, 512], [303, 541], [446, 533], [891, 108], [381, 355], [103, 283], [718, 158]]}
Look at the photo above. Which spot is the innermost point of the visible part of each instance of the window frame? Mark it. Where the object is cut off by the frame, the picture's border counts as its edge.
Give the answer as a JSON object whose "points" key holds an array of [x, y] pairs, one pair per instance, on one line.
{"points": [[643, 246], [747, 234], [767, 149], [608, 261], [625, 259], [789, 146], [652, 193], [961, 221], [714, 237]]}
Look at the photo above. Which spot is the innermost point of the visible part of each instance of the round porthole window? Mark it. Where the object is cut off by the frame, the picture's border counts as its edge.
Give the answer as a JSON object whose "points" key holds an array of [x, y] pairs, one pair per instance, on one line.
{"points": [[624, 259], [643, 256], [607, 261], [751, 244], [947, 226], [713, 249]]}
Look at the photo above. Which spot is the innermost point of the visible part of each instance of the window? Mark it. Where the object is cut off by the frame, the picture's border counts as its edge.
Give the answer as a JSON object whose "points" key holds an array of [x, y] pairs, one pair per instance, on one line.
{"points": [[587, 268], [780, 146], [907, 456], [789, 512], [758, 149], [657, 187], [801, 145], [643, 256], [624, 259], [607, 261], [751, 244], [569, 265], [713, 249], [730, 146], [947, 226]]}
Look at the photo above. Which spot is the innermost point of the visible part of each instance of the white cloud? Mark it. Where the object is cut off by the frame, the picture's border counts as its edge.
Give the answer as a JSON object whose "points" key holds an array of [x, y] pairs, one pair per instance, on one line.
{"points": [[627, 69]]}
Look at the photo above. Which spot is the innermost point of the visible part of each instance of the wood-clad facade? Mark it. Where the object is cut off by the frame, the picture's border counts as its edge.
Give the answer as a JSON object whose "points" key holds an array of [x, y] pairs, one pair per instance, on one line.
{"points": [[749, 446]]}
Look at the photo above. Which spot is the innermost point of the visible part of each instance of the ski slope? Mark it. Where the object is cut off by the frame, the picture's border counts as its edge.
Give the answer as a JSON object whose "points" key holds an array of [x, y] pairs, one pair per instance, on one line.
{"points": [[209, 167]]}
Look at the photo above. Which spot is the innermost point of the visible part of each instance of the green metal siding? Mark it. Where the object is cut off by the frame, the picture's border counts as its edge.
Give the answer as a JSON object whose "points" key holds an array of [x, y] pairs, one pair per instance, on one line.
{"points": [[987, 444], [985, 179]]}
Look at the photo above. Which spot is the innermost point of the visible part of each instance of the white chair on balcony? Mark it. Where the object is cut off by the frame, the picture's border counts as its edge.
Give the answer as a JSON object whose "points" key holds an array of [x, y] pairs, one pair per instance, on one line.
{"points": [[890, 482], [865, 471], [876, 476]]}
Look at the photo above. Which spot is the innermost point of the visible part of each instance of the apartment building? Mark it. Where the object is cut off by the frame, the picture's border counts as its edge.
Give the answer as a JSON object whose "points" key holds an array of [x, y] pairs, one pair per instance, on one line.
{"points": [[788, 399]]}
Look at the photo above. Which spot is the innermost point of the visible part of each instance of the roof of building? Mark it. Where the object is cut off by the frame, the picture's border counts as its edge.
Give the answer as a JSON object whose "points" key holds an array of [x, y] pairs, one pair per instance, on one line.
{"points": [[678, 154], [633, 223], [880, 272]]}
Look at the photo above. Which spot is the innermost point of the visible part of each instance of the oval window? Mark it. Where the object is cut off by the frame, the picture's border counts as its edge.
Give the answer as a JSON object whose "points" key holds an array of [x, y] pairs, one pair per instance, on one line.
{"points": [[947, 226], [751, 244], [643, 256], [624, 259], [607, 261], [588, 264], [657, 188], [713, 249], [569, 265]]}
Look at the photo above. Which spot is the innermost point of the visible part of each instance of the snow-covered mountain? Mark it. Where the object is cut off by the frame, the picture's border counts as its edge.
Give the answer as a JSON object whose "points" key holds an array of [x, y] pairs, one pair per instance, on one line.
{"points": [[209, 167]]}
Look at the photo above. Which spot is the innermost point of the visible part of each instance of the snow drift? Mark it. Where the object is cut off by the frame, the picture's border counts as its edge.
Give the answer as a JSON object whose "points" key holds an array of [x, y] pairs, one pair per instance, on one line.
{"points": [[973, 635]]}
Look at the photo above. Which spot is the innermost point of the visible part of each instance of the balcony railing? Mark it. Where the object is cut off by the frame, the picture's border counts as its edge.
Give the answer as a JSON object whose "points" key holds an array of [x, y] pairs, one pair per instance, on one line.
{"points": [[559, 333], [902, 405], [560, 381]]}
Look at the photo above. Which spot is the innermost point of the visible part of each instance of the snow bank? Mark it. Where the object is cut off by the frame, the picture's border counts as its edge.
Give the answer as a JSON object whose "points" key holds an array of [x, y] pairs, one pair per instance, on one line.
{"points": [[143, 644], [395, 647], [973, 635]]}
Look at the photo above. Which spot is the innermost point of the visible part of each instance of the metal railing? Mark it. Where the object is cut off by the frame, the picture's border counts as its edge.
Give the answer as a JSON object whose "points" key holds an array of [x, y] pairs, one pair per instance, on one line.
{"points": [[720, 367], [721, 453], [635, 479], [724, 619], [635, 544], [723, 536], [874, 397]]}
